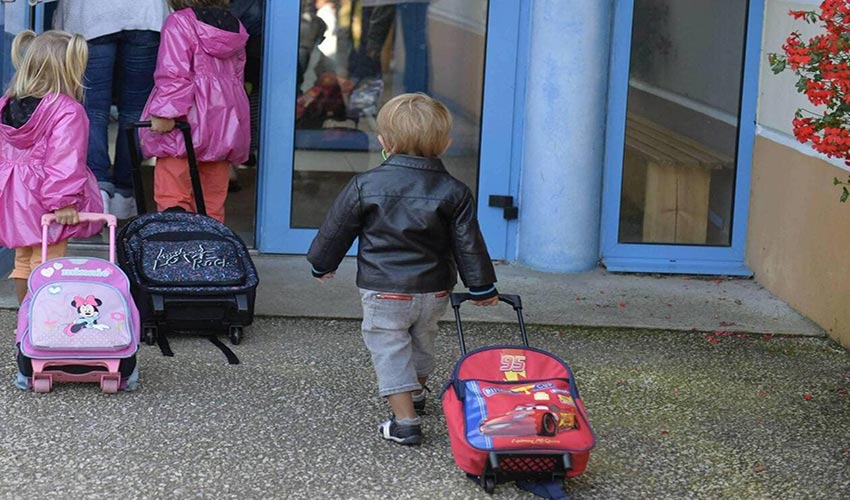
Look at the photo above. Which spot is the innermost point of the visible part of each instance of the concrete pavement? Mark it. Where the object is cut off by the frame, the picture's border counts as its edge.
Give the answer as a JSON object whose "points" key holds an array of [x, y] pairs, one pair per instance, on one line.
{"points": [[678, 413], [677, 416]]}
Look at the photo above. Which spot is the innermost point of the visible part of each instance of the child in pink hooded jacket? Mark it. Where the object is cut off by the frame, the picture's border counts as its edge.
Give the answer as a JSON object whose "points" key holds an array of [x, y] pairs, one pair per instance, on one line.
{"points": [[43, 143], [199, 78]]}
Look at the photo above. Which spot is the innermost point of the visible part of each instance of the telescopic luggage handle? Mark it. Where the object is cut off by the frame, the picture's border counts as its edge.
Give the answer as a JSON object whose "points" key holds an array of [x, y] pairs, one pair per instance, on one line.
{"points": [[515, 302], [108, 219], [135, 159]]}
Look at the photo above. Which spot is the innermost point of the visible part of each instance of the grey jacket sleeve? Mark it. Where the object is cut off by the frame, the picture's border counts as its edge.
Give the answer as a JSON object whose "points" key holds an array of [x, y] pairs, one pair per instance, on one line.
{"points": [[470, 251], [338, 231]]}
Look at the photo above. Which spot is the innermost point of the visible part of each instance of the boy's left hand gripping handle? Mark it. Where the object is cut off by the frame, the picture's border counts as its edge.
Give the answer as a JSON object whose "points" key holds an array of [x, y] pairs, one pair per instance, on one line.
{"points": [[109, 219]]}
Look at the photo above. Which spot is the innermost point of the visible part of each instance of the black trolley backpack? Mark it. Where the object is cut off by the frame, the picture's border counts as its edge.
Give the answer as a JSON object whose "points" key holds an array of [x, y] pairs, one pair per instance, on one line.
{"points": [[188, 272]]}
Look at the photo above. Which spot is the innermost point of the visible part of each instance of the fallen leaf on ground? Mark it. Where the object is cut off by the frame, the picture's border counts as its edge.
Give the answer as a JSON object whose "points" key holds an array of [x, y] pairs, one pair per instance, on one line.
{"points": [[622, 304], [767, 336], [759, 468], [842, 392], [665, 431], [807, 396], [712, 339], [762, 393]]}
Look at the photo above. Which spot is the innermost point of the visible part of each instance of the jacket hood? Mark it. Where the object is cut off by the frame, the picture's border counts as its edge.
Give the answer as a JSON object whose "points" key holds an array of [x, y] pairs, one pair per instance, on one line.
{"points": [[217, 42], [34, 129]]}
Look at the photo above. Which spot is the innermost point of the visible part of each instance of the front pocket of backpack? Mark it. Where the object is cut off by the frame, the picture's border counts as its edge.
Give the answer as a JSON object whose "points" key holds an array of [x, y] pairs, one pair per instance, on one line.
{"points": [[191, 259]]}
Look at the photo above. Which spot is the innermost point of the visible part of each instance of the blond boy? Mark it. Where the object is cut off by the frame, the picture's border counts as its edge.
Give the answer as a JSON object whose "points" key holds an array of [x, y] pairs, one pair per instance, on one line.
{"points": [[417, 228]]}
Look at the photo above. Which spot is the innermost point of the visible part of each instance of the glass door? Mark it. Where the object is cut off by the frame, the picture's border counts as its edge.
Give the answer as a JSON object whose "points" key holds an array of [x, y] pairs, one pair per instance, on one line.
{"points": [[680, 134], [351, 57]]}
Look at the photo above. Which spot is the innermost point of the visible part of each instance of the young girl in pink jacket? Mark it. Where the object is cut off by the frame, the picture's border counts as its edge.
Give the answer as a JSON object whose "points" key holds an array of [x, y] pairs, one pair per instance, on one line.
{"points": [[198, 78], [43, 142]]}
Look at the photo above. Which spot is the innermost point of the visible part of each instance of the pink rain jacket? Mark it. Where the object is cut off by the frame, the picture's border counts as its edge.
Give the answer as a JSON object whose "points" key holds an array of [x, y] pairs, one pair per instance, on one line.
{"points": [[199, 78], [43, 168]]}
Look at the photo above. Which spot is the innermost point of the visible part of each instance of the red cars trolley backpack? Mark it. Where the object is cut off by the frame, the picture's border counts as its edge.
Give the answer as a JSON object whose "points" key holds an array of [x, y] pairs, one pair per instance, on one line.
{"points": [[514, 412]]}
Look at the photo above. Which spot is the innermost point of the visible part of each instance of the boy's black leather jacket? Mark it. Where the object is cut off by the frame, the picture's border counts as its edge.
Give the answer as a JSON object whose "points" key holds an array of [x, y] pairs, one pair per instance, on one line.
{"points": [[417, 228]]}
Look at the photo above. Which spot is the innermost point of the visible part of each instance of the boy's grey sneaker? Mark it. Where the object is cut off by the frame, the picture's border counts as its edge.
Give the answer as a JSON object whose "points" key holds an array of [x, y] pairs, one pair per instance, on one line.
{"points": [[406, 434], [420, 398]]}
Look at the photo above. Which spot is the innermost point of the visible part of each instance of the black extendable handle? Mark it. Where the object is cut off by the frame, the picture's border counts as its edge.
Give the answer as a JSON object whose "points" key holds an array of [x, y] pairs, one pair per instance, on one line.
{"points": [[514, 300], [135, 159]]}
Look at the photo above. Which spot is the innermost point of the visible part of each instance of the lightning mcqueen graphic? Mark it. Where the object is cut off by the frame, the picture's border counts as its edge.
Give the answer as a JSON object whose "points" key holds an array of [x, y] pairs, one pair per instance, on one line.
{"points": [[530, 420]]}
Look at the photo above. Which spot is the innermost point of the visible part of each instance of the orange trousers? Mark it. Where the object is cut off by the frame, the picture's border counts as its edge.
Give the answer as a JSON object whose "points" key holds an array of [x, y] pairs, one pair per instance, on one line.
{"points": [[28, 258], [172, 186]]}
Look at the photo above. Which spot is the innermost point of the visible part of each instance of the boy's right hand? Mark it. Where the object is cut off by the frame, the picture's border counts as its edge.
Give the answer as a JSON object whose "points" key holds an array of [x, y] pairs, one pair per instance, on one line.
{"points": [[486, 302], [326, 277], [161, 124]]}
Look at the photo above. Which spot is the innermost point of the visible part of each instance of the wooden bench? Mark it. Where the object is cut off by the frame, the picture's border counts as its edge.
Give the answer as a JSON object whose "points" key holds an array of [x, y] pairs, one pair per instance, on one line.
{"points": [[677, 174]]}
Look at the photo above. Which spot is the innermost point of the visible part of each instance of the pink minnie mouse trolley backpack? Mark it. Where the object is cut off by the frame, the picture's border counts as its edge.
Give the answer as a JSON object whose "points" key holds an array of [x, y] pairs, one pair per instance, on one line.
{"points": [[78, 321], [514, 413]]}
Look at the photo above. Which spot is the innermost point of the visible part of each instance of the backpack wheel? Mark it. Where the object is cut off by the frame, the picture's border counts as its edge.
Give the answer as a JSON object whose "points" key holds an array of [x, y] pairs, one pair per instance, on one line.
{"points": [[110, 385], [235, 335], [489, 483], [149, 335], [41, 384]]}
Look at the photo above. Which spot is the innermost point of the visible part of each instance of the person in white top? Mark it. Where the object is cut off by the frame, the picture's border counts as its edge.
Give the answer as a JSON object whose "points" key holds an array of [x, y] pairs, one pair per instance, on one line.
{"points": [[123, 39]]}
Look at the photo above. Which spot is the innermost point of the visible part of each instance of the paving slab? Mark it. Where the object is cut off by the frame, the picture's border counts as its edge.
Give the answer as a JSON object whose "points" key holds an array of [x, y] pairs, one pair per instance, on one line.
{"points": [[593, 298]]}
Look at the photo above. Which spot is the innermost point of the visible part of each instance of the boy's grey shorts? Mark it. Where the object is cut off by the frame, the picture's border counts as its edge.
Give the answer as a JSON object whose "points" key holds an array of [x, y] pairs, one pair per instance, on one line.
{"points": [[399, 330]]}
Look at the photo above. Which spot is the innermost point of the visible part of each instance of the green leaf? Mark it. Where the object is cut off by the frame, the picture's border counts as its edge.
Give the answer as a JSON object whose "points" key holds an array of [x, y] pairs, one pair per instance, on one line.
{"points": [[836, 182], [778, 66], [844, 195]]}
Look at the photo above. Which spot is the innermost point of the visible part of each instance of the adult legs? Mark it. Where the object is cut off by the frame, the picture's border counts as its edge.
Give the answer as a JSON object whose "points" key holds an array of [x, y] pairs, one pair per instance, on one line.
{"points": [[414, 26], [98, 99], [136, 58]]}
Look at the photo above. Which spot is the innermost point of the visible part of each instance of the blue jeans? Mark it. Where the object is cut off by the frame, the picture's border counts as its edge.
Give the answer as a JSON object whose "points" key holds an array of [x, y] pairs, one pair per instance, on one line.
{"points": [[122, 62], [414, 28], [366, 60], [399, 330]]}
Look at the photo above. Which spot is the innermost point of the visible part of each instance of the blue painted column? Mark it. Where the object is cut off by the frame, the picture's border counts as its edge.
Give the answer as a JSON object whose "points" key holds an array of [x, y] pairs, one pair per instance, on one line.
{"points": [[563, 151]]}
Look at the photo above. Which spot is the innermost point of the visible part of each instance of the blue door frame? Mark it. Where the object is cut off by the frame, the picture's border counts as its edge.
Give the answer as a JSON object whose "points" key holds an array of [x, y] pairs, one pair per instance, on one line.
{"points": [[498, 173], [676, 258], [18, 20]]}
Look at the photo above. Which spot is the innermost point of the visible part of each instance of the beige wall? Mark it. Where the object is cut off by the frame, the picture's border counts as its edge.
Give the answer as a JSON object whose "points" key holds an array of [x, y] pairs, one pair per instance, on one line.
{"points": [[798, 242]]}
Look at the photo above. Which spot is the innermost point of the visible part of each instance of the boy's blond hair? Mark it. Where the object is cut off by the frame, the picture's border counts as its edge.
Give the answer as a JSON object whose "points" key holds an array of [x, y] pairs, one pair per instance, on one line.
{"points": [[415, 124], [53, 62]]}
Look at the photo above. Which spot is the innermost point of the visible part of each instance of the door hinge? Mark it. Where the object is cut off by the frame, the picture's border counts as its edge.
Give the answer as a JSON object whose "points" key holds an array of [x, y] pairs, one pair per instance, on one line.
{"points": [[506, 203]]}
